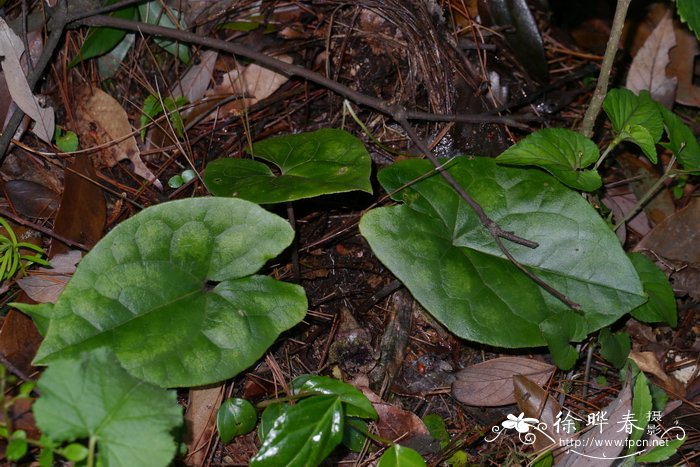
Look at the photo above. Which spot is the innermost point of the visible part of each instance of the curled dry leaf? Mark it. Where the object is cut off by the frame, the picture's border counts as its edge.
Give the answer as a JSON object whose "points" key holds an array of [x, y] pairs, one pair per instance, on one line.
{"points": [[648, 69], [490, 384], [101, 121], [648, 363], [253, 83], [46, 284], [11, 49]]}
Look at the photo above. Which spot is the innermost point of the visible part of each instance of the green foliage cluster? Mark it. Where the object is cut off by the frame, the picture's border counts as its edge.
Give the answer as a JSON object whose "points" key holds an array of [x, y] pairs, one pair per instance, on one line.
{"points": [[16, 256]]}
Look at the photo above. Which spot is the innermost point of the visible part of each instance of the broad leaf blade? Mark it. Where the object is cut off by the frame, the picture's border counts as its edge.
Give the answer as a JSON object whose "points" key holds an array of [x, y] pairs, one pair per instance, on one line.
{"points": [[661, 306], [682, 142], [99, 41], [689, 11], [436, 245], [304, 435], [635, 118], [563, 153], [318, 163], [171, 291], [93, 397]]}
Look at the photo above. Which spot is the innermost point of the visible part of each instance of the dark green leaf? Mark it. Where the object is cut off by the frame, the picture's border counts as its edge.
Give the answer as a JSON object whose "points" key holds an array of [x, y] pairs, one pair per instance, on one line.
{"points": [[641, 407], [153, 13], [558, 331], [235, 417], [635, 118], [304, 435], [400, 456], [563, 153], [436, 426], [310, 164], [172, 292], [354, 433], [356, 403], [94, 397], [682, 142], [661, 306], [109, 63], [269, 416], [99, 41], [689, 11], [614, 347], [436, 245]]}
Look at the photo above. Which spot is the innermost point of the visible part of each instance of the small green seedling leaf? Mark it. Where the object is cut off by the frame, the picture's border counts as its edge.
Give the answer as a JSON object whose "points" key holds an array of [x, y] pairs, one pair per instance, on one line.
{"points": [[614, 347], [153, 106], [304, 435], [99, 41], [173, 292], [235, 417], [437, 429], [436, 245], [689, 11], [94, 397], [153, 13], [17, 447], [641, 408], [400, 456], [310, 164], [356, 403], [66, 142], [177, 181], [682, 142], [661, 306], [635, 118], [563, 153], [74, 452]]}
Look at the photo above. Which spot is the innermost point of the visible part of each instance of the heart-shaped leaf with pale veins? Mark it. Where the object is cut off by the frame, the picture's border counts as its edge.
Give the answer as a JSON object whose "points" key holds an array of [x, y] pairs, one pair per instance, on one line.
{"points": [[309, 164], [435, 244], [172, 292]]}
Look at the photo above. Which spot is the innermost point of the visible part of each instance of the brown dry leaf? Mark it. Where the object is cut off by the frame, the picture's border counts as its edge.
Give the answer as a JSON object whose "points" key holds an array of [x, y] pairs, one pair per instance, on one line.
{"points": [[535, 402], [645, 177], [677, 237], [395, 423], [83, 213], [196, 80], [12, 49], [102, 121], [253, 83], [46, 284], [648, 363], [648, 69], [602, 454], [19, 338], [200, 419], [32, 199], [490, 384], [682, 66]]}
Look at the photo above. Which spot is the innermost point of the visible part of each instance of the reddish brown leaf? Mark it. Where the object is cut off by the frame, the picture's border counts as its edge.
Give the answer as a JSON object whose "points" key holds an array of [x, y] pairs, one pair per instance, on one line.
{"points": [[490, 383], [46, 284], [31, 199], [19, 340], [677, 237], [395, 423]]}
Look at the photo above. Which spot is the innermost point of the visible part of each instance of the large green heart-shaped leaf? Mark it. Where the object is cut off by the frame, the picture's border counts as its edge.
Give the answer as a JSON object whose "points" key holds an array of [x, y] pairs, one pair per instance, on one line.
{"points": [[93, 397], [310, 164], [561, 152], [635, 118], [172, 292], [435, 244]]}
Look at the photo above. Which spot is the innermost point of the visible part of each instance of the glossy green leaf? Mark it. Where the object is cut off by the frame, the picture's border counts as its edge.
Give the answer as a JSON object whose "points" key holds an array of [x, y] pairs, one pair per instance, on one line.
{"points": [[356, 403], [99, 41], [310, 164], [304, 435], [614, 347], [682, 142], [235, 417], [635, 118], [661, 306], [94, 397], [435, 244], [689, 11], [269, 416], [400, 456], [172, 292], [563, 153], [153, 13], [66, 142], [354, 436]]}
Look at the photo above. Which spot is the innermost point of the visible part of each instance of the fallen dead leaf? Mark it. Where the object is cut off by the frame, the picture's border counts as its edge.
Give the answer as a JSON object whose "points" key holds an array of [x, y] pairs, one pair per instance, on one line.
{"points": [[12, 49], [46, 284], [102, 121], [677, 237], [648, 68], [490, 383], [395, 423], [682, 66], [200, 419], [648, 363], [32, 199]]}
